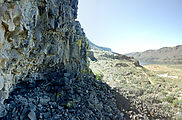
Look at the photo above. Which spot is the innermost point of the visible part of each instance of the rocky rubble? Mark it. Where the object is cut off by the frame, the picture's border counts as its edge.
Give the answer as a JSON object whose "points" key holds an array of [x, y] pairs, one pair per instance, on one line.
{"points": [[62, 96]]}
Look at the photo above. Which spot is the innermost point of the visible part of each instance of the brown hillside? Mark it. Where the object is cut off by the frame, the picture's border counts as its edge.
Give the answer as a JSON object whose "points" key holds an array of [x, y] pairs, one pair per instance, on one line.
{"points": [[164, 55]]}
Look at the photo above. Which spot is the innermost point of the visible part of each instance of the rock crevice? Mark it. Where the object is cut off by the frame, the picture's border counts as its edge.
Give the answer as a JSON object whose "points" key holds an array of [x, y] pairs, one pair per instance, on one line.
{"points": [[36, 35], [44, 71]]}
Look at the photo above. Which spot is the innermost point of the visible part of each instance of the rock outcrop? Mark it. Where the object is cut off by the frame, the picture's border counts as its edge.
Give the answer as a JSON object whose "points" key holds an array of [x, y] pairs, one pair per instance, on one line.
{"points": [[37, 35], [44, 71]]}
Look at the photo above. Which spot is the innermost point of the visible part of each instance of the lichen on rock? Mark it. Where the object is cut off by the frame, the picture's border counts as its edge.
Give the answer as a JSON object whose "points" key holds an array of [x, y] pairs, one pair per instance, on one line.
{"points": [[44, 71], [36, 35]]}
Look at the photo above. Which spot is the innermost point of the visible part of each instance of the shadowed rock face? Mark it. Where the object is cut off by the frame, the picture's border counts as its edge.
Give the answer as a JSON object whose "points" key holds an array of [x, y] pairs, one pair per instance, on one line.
{"points": [[36, 35]]}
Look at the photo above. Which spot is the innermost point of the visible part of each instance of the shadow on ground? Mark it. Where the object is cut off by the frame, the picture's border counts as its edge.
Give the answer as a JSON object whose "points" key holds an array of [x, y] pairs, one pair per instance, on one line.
{"points": [[62, 95]]}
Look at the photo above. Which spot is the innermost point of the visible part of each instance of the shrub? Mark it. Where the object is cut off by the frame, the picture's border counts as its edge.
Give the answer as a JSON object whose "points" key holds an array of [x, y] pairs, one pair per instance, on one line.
{"points": [[170, 99], [99, 76], [69, 104], [177, 102]]}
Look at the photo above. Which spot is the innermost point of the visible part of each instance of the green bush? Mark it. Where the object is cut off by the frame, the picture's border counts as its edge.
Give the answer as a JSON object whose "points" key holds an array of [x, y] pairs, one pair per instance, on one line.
{"points": [[177, 102], [170, 99], [159, 100], [99, 76], [69, 104]]}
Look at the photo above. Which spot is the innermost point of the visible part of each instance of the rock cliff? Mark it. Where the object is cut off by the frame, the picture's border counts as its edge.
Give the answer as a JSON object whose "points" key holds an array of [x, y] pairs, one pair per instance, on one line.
{"points": [[36, 35], [44, 71]]}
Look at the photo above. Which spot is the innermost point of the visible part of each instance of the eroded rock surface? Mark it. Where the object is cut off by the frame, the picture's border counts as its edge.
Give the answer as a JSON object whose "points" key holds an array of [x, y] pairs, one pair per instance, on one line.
{"points": [[36, 34], [44, 72]]}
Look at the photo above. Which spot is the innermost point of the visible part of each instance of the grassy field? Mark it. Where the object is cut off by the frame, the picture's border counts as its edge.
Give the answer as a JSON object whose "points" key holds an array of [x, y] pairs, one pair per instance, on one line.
{"points": [[170, 73]]}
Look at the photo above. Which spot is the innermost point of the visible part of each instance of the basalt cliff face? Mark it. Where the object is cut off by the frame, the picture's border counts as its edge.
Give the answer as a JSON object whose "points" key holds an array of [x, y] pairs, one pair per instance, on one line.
{"points": [[36, 35], [44, 71]]}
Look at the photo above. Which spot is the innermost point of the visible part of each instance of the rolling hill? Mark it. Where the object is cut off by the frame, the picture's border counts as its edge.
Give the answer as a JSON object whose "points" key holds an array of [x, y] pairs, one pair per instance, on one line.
{"points": [[165, 55]]}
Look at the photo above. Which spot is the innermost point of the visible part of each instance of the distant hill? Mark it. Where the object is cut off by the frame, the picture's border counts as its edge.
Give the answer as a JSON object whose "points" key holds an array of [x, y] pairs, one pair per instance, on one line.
{"points": [[96, 47], [165, 55]]}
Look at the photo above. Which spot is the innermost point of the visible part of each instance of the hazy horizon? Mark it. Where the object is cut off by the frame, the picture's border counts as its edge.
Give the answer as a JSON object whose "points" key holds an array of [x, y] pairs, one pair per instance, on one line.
{"points": [[132, 26]]}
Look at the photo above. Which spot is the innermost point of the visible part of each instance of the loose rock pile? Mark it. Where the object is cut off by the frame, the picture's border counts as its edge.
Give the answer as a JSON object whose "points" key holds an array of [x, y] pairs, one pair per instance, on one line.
{"points": [[61, 95]]}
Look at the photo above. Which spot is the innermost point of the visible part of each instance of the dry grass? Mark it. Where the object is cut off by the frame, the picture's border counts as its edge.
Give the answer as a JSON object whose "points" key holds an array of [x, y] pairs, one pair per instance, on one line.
{"points": [[170, 70]]}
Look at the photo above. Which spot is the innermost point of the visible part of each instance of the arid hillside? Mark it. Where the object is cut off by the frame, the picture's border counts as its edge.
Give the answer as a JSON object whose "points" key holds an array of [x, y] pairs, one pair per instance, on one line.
{"points": [[141, 92], [164, 55]]}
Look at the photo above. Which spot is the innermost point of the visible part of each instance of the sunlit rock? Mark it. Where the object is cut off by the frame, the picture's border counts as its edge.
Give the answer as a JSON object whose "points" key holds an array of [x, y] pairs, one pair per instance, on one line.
{"points": [[37, 35]]}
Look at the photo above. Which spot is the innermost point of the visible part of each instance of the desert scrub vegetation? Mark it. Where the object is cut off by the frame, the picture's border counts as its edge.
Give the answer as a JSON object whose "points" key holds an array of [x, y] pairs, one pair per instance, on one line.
{"points": [[177, 103], [99, 75], [169, 99]]}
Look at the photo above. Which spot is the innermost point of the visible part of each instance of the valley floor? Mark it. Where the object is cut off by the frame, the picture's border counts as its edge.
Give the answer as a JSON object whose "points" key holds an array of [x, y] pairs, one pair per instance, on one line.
{"points": [[145, 93], [171, 73]]}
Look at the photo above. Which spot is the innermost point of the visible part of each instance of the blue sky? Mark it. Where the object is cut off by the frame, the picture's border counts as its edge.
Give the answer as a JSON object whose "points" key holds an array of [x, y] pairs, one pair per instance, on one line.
{"points": [[132, 25]]}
